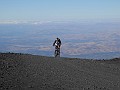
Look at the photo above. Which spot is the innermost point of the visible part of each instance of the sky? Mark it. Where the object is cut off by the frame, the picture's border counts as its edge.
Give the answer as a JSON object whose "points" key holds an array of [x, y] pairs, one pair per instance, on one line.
{"points": [[57, 10]]}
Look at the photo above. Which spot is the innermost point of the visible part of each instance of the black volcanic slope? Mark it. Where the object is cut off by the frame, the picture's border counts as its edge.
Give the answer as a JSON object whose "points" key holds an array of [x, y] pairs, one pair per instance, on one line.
{"points": [[30, 72]]}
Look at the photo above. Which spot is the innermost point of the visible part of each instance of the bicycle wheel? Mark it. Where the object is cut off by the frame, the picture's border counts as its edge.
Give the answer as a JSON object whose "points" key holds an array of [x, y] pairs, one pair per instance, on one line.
{"points": [[55, 53]]}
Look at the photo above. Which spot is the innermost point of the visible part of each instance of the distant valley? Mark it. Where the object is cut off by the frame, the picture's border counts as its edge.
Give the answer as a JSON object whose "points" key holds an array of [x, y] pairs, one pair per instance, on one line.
{"points": [[82, 40]]}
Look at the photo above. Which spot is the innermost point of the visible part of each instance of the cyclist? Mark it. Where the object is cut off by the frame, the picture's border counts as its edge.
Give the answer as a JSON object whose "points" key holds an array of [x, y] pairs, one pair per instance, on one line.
{"points": [[57, 44]]}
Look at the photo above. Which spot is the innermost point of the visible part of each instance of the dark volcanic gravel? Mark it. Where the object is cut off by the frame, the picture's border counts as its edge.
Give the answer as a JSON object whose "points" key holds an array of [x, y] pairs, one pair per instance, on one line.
{"points": [[30, 72]]}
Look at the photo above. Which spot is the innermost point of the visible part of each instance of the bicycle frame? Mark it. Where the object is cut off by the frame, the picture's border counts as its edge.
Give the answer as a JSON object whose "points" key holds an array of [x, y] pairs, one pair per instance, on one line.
{"points": [[57, 51]]}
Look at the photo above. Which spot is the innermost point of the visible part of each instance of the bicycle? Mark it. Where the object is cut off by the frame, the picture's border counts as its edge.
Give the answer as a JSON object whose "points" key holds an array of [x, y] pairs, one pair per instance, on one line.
{"points": [[57, 51]]}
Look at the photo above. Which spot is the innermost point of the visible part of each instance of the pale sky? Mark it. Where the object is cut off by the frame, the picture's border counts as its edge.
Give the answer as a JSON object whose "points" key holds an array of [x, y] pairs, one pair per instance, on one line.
{"points": [[55, 10]]}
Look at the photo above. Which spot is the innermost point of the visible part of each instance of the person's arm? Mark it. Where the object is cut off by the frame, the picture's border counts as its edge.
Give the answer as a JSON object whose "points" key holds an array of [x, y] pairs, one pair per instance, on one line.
{"points": [[54, 43], [60, 42]]}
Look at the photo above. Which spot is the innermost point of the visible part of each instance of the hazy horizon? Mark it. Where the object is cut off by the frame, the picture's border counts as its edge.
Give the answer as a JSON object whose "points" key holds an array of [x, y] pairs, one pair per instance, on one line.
{"points": [[87, 28], [82, 40]]}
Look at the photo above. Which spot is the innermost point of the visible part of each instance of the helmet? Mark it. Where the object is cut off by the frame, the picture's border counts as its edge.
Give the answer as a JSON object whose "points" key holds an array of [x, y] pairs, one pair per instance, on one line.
{"points": [[57, 38]]}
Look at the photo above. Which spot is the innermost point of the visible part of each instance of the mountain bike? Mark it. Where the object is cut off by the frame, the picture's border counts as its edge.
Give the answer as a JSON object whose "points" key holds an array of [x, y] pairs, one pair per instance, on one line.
{"points": [[57, 51]]}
